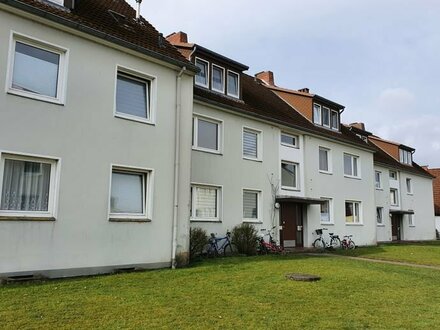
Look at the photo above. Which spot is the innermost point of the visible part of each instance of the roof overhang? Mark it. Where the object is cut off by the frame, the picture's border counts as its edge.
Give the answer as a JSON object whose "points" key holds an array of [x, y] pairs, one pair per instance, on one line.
{"points": [[401, 212], [299, 200]]}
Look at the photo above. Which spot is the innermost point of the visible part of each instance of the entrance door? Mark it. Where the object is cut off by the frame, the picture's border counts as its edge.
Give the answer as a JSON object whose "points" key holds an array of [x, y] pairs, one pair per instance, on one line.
{"points": [[291, 219], [396, 223]]}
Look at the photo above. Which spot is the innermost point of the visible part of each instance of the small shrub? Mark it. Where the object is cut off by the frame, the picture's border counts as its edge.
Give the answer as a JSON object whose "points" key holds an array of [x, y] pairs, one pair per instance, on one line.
{"points": [[198, 238], [437, 234], [244, 237]]}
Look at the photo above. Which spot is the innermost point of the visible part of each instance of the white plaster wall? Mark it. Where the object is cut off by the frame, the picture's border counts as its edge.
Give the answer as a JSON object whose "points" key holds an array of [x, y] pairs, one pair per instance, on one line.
{"points": [[382, 197], [339, 188], [87, 138], [234, 173]]}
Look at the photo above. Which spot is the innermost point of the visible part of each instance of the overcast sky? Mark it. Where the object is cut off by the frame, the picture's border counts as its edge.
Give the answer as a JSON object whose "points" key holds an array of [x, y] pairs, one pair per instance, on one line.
{"points": [[381, 59]]}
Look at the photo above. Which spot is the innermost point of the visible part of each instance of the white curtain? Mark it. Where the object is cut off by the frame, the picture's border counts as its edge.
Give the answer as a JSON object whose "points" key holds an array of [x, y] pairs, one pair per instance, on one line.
{"points": [[206, 202], [25, 186]]}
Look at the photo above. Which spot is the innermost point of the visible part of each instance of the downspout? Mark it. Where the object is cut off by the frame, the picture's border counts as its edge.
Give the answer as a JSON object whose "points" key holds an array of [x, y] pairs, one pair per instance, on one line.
{"points": [[176, 165]]}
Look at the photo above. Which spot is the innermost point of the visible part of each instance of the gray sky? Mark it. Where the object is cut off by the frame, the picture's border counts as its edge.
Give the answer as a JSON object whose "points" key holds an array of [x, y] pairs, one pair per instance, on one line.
{"points": [[381, 59]]}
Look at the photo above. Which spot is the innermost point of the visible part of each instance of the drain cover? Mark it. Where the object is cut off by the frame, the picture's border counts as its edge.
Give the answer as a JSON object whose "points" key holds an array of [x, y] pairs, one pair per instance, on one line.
{"points": [[303, 277]]}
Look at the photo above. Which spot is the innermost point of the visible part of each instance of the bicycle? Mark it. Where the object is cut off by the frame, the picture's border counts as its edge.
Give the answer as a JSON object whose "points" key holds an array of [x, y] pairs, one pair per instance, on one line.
{"points": [[321, 244], [214, 250], [347, 243], [268, 247]]}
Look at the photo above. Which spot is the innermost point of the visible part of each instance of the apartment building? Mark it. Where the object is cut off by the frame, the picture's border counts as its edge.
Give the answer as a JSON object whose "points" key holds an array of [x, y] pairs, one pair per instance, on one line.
{"points": [[95, 140]]}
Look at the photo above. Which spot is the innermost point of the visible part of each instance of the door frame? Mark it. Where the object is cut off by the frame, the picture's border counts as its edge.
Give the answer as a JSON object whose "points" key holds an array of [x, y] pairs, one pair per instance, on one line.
{"points": [[299, 223], [396, 218]]}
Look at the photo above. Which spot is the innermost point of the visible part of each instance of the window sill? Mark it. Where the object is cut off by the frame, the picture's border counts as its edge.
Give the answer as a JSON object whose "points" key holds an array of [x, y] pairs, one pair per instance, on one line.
{"points": [[289, 146], [36, 97], [209, 151], [410, 194], [412, 226], [128, 219], [327, 223], [380, 225], [325, 172], [258, 160], [354, 224], [133, 118], [352, 177], [205, 220], [381, 189], [201, 85], [25, 218], [257, 222], [290, 188]]}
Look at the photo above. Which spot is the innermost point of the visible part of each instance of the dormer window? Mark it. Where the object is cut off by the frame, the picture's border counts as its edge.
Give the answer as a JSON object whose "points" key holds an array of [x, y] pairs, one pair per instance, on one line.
{"points": [[202, 78], [326, 117], [58, 2], [405, 157], [233, 84], [218, 79]]}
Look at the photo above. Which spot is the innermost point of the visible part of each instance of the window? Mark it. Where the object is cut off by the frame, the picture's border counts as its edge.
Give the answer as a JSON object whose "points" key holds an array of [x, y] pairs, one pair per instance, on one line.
{"points": [[133, 97], [207, 133], [251, 205], [351, 166], [335, 120], [130, 194], [409, 186], [251, 144], [218, 79], [378, 177], [326, 211], [202, 78], [27, 186], [411, 220], [289, 140], [352, 212], [205, 203], [289, 175], [233, 84], [394, 198], [379, 215], [58, 2], [324, 160], [37, 70], [317, 114], [393, 175], [326, 117], [405, 156]]}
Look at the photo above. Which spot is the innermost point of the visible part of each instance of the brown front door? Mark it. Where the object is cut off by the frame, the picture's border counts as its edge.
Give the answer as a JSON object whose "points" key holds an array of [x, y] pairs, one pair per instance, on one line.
{"points": [[396, 222], [291, 219]]}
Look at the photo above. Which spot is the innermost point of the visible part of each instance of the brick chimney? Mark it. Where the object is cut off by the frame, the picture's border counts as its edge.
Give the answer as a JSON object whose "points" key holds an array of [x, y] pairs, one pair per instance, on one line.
{"points": [[267, 77], [304, 90], [178, 38], [358, 125]]}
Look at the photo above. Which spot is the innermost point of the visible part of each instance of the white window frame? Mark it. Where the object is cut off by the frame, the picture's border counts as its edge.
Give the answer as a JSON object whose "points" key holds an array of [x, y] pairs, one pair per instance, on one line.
{"points": [[395, 173], [409, 188], [360, 220], [397, 197], [55, 170], [358, 176], [329, 117], [44, 45], [57, 2], [219, 122], [330, 211], [329, 160], [198, 59], [223, 78], [378, 187], [238, 84], [337, 121], [380, 224], [151, 85], [147, 194], [259, 206], [295, 137], [219, 202], [320, 114], [296, 165], [411, 222], [259, 134], [405, 156]]}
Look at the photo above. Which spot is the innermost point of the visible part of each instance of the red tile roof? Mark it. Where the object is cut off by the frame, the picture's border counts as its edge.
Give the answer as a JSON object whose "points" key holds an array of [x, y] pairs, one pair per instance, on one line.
{"points": [[112, 20], [436, 185]]}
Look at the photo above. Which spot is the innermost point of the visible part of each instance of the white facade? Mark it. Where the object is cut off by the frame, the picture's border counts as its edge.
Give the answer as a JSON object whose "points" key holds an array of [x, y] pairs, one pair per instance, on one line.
{"points": [[82, 137]]}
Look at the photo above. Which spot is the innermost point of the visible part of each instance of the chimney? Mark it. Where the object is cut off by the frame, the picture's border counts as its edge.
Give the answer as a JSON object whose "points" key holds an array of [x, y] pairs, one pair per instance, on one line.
{"points": [[138, 9], [358, 125], [267, 77], [178, 38], [304, 90]]}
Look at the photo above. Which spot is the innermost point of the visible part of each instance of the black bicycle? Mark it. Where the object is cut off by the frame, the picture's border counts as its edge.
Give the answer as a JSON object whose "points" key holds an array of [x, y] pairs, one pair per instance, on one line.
{"points": [[219, 245]]}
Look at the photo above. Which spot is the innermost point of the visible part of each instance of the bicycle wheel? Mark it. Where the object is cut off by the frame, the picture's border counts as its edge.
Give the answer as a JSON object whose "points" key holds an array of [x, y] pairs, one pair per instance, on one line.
{"points": [[351, 245], [212, 251], [319, 244], [335, 243], [227, 250]]}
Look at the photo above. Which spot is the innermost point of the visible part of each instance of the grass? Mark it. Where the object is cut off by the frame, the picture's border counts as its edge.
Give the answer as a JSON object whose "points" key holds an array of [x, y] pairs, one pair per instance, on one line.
{"points": [[248, 293], [426, 253]]}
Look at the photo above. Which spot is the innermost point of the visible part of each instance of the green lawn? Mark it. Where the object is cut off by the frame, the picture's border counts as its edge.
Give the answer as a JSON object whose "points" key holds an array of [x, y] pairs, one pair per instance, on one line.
{"points": [[426, 253], [233, 293]]}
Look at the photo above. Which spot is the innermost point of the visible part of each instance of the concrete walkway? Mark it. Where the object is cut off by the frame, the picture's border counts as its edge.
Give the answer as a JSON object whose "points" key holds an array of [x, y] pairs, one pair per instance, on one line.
{"points": [[379, 261]]}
